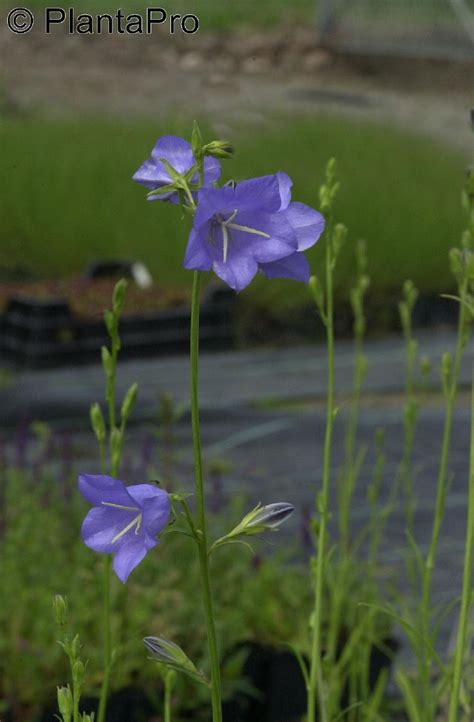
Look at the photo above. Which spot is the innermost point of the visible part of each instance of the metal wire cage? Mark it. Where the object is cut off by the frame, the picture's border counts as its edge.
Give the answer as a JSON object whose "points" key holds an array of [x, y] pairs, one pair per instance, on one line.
{"points": [[423, 28]]}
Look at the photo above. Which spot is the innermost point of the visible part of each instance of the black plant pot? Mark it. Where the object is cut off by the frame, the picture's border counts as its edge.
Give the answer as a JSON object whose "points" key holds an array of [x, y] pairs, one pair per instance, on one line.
{"points": [[279, 685]]}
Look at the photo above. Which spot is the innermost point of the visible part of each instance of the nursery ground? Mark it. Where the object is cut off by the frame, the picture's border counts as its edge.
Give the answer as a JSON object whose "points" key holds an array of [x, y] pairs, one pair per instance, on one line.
{"points": [[263, 431]]}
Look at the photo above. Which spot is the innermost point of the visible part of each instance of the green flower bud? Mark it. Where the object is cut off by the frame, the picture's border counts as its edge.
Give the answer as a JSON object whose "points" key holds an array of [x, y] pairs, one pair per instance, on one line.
{"points": [[168, 653], [78, 672], [75, 647], [331, 170], [455, 260], [129, 402], [318, 295], [118, 298], [196, 142], [219, 149], [339, 238], [110, 322], [60, 610], [410, 293], [98, 423], [65, 703], [106, 360]]}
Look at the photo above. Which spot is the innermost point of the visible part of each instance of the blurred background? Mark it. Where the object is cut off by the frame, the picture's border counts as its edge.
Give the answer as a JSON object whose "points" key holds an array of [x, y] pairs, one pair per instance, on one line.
{"points": [[385, 87]]}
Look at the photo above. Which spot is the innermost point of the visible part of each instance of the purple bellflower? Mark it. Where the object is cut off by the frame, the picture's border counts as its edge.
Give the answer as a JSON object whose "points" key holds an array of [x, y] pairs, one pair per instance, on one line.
{"points": [[124, 520], [178, 153], [252, 226]]}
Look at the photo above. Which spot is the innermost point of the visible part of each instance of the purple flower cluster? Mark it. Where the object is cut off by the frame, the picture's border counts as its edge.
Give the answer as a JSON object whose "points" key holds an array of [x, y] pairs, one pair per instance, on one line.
{"points": [[239, 229]]}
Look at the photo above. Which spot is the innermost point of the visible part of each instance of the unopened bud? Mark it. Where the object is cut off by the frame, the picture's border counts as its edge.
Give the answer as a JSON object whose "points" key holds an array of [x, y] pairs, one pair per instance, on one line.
{"points": [[60, 610], [339, 238], [109, 320], [263, 518], [219, 149], [98, 423], [106, 360], [78, 672], [118, 298], [317, 293], [168, 653], [65, 703], [129, 402], [196, 142]]}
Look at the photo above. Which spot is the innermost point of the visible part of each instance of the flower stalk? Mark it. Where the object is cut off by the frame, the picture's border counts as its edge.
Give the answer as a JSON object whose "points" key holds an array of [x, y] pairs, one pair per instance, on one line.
{"points": [[467, 591], [334, 239], [201, 510]]}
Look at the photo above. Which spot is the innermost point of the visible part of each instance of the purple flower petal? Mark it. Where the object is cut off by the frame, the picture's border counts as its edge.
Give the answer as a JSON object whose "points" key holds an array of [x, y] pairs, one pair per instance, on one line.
{"points": [[307, 223], [99, 488], [103, 524], [295, 267], [212, 170], [212, 201], [284, 184], [260, 194], [175, 150], [178, 153], [197, 256], [237, 272], [128, 557]]}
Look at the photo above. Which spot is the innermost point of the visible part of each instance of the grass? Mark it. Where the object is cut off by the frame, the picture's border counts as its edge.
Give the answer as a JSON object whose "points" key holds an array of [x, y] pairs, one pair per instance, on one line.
{"points": [[69, 197], [221, 15]]}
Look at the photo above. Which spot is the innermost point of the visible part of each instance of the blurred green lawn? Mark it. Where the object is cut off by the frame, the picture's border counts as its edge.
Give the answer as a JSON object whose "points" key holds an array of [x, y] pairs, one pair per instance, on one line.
{"points": [[217, 15], [69, 198]]}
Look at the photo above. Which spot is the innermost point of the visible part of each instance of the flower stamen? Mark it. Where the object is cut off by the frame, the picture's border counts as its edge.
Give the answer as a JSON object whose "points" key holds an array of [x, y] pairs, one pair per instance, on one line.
{"points": [[137, 521], [120, 506]]}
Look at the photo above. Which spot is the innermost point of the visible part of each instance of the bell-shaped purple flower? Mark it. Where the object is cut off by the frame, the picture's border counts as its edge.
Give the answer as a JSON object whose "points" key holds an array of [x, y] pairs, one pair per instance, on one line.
{"points": [[124, 520], [178, 153], [239, 230], [307, 225]]}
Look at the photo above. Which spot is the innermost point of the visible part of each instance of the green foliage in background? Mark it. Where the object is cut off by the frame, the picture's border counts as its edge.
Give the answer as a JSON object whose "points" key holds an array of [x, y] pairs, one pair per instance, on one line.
{"points": [[69, 197], [221, 16]]}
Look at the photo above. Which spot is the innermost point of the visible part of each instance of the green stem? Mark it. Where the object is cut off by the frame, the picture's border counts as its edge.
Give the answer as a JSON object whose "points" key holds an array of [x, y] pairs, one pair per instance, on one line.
{"points": [[467, 584], [104, 691], [201, 510], [169, 678], [316, 681], [107, 625], [425, 616]]}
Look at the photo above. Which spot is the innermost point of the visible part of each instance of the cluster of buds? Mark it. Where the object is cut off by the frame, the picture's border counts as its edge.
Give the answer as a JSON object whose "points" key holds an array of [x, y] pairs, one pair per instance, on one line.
{"points": [[68, 700]]}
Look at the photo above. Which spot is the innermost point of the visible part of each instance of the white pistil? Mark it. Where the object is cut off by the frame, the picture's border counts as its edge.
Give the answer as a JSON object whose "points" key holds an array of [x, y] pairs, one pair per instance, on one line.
{"points": [[225, 241], [225, 225], [120, 506], [246, 229], [136, 521]]}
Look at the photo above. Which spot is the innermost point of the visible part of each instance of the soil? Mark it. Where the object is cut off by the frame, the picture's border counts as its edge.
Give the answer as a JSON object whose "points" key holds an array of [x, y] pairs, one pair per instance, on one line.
{"points": [[89, 298], [233, 78]]}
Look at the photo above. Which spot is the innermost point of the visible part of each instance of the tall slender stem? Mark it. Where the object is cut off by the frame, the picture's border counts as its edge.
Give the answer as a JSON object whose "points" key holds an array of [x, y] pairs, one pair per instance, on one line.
{"points": [[316, 681], [201, 508], [440, 501], [114, 463], [467, 592]]}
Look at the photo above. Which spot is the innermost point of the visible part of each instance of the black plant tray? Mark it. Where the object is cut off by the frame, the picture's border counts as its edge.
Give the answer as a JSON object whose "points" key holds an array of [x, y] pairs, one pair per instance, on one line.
{"points": [[44, 333]]}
